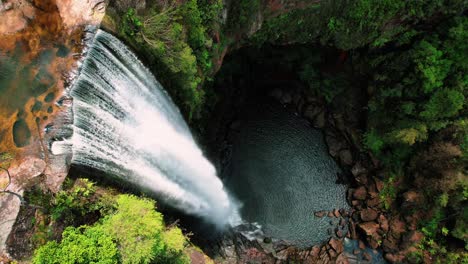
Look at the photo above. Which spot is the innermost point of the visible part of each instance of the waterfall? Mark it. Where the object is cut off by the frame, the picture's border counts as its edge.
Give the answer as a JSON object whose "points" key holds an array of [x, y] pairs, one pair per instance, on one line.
{"points": [[126, 124]]}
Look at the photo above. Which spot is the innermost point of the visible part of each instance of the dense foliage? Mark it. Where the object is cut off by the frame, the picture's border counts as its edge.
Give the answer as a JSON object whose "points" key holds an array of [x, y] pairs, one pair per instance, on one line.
{"points": [[175, 39], [129, 230]]}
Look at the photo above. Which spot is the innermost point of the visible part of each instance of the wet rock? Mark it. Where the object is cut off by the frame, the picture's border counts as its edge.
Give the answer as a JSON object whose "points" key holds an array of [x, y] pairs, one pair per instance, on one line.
{"points": [[315, 251], [368, 215], [394, 258], [367, 256], [369, 228], [286, 98], [412, 198], [362, 179], [412, 238], [319, 121], [342, 259], [342, 222], [360, 193], [397, 227], [296, 97], [358, 169], [336, 213], [374, 241], [362, 246], [374, 202], [357, 204], [346, 157], [336, 245], [343, 212], [379, 184], [383, 223], [320, 214], [352, 229], [334, 145], [390, 244], [310, 112], [330, 214], [339, 233], [27, 173]]}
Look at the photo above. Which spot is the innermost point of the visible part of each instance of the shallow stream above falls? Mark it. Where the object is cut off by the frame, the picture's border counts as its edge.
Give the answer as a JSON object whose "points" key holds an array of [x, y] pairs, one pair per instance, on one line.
{"points": [[281, 172]]}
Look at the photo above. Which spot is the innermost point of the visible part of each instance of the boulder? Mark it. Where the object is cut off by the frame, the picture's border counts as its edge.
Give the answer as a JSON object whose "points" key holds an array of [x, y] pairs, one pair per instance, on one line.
{"points": [[360, 193], [343, 212], [362, 246], [336, 213], [334, 145], [336, 245], [412, 198], [397, 228], [374, 241], [383, 223], [394, 258], [379, 184], [346, 157], [315, 251], [374, 202], [339, 233], [368, 228], [320, 214], [311, 111], [319, 121], [390, 244], [342, 259], [412, 238], [358, 169], [368, 214], [367, 256], [286, 98]]}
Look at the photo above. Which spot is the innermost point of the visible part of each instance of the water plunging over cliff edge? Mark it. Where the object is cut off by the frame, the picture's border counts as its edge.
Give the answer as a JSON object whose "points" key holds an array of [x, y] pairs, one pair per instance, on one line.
{"points": [[126, 124]]}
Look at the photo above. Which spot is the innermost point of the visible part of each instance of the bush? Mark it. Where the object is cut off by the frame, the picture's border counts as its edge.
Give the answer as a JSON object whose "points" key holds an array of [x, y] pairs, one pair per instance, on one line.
{"points": [[134, 233], [79, 245]]}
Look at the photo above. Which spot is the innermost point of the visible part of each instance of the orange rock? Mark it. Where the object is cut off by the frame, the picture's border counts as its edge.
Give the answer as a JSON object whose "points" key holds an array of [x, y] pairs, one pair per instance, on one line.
{"points": [[360, 193], [336, 245], [368, 214], [397, 227], [369, 228]]}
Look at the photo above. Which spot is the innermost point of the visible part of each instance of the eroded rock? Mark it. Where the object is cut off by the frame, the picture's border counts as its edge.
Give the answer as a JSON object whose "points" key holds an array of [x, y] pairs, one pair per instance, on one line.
{"points": [[368, 214], [368, 228]]}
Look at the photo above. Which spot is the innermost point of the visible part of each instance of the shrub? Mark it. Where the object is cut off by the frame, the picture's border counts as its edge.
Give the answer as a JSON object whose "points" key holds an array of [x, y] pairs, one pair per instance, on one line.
{"points": [[79, 245], [134, 233]]}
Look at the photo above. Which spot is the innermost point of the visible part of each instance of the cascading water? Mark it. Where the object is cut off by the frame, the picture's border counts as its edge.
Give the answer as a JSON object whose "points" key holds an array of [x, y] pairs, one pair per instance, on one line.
{"points": [[126, 124]]}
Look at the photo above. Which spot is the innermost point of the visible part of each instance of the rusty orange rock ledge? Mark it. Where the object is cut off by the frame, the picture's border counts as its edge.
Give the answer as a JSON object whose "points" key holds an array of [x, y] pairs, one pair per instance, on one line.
{"points": [[40, 46]]}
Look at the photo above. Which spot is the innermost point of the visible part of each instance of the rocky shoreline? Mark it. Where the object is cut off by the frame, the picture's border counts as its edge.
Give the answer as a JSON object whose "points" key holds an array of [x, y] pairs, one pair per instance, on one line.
{"points": [[367, 221]]}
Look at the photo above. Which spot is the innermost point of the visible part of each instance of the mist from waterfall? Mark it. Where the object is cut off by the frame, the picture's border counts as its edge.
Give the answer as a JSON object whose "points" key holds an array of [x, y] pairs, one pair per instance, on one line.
{"points": [[126, 124]]}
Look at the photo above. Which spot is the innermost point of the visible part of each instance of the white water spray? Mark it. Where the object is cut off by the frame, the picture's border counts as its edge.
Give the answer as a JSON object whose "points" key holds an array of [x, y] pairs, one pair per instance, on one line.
{"points": [[126, 124]]}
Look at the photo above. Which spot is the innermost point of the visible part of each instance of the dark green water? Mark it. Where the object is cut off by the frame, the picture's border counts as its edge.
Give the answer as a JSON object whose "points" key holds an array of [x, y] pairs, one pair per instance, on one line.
{"points": [[282, 173]]}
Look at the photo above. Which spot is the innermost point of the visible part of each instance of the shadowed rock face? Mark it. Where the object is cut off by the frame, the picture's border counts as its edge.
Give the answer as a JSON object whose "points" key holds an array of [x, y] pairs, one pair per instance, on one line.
{"points": [[40, 43]]}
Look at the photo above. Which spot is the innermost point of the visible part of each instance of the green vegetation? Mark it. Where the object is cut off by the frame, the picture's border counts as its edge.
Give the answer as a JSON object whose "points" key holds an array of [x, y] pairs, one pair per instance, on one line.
{"points": [[126, 229], [177, 43], [349, 25]]}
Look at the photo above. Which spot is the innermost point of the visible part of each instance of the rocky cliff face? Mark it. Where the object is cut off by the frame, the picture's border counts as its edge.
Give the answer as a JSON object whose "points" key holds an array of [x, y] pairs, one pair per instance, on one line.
{"points": [[41, 43]]}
